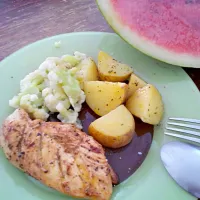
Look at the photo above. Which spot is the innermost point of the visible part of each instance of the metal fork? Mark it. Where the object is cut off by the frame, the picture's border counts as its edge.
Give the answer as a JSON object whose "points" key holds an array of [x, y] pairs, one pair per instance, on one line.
{"points": [[185, 126]]}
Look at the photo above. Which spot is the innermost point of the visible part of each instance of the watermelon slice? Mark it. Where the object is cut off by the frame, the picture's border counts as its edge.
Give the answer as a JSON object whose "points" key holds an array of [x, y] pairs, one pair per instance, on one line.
{"points": [[168, 30]]}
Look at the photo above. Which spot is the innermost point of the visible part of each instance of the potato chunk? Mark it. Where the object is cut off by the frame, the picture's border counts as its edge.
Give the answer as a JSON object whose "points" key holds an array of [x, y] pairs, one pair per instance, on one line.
{"points": [[116, 129], [87, 71], [135, 82], [102, 97], [146, 103], [111, 70]]}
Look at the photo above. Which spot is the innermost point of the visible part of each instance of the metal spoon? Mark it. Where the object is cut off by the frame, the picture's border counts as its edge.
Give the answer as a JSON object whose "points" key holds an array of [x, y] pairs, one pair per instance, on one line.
{"points": [[182, 161]]}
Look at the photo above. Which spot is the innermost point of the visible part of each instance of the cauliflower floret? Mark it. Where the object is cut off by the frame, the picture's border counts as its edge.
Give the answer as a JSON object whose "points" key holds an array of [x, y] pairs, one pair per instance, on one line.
{"points": [[40, 114], [33, 97], [47, 66], [66, 116], [79, 56], [14, 102], [52, 97], [31, 80], [78, 105], [60, 94], [51, 102], [46, 91], [72, 60], [27, 104], [53, 79]]}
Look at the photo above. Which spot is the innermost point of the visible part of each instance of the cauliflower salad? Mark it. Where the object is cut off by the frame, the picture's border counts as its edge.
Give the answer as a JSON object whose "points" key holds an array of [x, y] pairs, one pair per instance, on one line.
{"points": [[53, 88]]}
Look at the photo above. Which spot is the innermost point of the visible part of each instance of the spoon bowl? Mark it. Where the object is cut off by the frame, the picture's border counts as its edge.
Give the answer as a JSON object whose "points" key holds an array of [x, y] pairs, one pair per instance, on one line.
{"points": [[182, 161]]}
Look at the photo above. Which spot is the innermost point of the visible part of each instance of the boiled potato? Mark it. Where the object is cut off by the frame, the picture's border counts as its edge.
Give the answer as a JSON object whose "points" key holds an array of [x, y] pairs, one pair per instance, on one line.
{"points": [[87, 71], [146, 103], [135, 82], [111, 70], [102, 97], [116, 129]]}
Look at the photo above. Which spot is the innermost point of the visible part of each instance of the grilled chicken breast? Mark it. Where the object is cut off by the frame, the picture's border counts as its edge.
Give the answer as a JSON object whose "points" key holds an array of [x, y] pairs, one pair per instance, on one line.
{"points": [[59, 155]]}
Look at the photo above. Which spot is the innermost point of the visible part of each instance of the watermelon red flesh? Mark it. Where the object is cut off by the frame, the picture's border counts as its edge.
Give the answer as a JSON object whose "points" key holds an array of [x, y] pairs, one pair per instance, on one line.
{"points": [[171, 26]]}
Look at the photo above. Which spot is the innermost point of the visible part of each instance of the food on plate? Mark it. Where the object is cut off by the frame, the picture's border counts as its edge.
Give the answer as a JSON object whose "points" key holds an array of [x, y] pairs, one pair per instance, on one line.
{"points": [[52, 88], [57, 44], [135, 82], [166, 30], [87, 71], [112, 70], [59, 155], [115, 129], [43, 136], [102, 97], [146, 103]]}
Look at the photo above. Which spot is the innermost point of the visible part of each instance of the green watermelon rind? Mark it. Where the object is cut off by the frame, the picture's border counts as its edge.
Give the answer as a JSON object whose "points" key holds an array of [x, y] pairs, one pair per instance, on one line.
{"points": [[173, 57]]}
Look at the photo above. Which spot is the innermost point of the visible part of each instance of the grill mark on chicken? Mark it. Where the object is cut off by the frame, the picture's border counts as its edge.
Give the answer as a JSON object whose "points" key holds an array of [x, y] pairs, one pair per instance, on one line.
{"points": [[71, 145], [89, 158], [91, 148], [40, 151], [59, 163], [19, 144]]}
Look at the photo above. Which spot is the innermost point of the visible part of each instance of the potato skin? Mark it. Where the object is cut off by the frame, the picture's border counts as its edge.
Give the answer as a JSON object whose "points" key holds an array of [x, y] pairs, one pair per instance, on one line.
{"points": [[112, 70], [111, 141], [114, 130]]}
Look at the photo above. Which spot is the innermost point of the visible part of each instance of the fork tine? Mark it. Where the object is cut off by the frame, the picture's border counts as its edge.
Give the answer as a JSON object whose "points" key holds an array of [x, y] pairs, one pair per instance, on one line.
{"points": [[184, 131], [184, 125], [184, 137], [185, 120]]}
